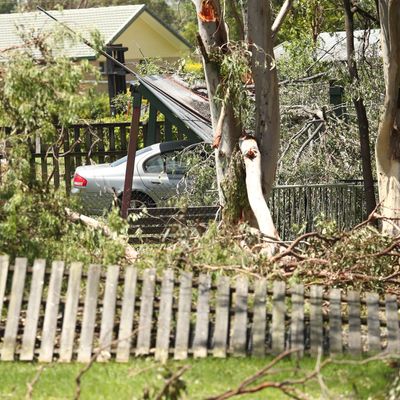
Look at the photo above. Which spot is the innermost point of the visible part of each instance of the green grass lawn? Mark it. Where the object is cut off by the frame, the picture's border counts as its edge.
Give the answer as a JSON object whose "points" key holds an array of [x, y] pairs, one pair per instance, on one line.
{"points": [[205, 377]]}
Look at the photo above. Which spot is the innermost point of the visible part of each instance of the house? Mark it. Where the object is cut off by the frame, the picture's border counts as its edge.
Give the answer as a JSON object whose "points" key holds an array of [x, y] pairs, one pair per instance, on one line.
{"points": [[132, 26], [331, 46], [131, 33]]}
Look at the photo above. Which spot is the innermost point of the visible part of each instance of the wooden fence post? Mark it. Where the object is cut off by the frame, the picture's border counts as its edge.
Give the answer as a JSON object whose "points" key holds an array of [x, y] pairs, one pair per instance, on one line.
{"points": [[71, 310], [239, 334], [200, 343], [278, 317], [14, 310], [259, 328], [221, 333], [165, 316], [32, 313]]}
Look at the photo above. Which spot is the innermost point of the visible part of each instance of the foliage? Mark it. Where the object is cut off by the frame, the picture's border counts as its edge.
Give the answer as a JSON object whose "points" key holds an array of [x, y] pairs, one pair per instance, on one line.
{"points": [[358, 258], [192, 71], [95, 107], [122, 102], [236, 74], [198, 186], [175, 387], [41, 96], [332, 153], [33, 224], [361, 258], [40, 91], [309, 18]]}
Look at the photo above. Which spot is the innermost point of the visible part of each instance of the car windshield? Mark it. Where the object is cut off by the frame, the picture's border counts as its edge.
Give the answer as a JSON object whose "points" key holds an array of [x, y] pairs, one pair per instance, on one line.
{"points": [[123, 159]]}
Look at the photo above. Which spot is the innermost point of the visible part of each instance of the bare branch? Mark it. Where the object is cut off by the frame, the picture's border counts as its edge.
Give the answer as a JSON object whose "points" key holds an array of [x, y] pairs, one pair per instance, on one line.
{"points": [[170, 381], [97, 353], [31, 385], [286, 7]]}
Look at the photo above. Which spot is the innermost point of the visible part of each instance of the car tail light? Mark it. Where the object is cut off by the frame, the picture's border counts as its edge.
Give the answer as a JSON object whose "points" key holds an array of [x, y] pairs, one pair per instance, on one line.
{"points": [[79, 181]]}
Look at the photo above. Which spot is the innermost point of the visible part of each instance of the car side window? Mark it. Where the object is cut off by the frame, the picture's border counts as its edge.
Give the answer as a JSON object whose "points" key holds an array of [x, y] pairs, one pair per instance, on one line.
{"points": [[154, 165], [174, 164]]}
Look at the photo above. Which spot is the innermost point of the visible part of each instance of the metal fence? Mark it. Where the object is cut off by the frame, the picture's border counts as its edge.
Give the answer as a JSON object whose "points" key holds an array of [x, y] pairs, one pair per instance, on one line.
{"points": [[295, 209], [298, 208]]}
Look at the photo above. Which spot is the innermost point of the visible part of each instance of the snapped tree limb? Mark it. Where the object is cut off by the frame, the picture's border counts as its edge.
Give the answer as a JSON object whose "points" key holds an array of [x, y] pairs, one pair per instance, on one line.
{"points": [[252, 160], [130, 253], [286, 7]]}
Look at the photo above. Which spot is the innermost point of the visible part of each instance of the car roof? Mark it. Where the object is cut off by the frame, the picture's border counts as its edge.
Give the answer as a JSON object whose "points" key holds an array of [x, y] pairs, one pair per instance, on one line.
{"points": [[174, 145]]}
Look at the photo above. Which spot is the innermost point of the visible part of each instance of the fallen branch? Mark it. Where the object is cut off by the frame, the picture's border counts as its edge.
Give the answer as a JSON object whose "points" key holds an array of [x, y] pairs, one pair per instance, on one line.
{"points": [[171, 381], [95, 356], [31, 385], [130, 253], [288, 386], [284, 386]]}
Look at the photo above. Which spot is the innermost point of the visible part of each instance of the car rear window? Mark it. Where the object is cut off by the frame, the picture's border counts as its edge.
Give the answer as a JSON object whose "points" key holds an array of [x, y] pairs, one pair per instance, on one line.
{"points": [[123, 159]]}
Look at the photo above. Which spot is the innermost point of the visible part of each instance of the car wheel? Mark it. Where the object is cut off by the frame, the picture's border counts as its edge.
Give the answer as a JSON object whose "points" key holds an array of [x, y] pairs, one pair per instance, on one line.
{"points": [[140, 200]]}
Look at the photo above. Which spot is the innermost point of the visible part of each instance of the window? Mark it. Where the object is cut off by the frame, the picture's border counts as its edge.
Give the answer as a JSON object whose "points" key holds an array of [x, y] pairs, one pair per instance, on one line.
{"points": [[173, 162], [154, 165]]}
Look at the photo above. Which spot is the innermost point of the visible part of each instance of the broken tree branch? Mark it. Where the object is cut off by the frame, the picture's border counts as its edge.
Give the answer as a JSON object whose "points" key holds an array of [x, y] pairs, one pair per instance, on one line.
{"points": [[130, 252], [170, 381], [252, 160], [286, 7]]}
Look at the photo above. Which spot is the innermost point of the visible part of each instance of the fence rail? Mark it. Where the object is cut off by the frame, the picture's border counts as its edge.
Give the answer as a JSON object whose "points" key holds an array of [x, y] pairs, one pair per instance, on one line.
{"points": [[70, 312], [164, 223]]}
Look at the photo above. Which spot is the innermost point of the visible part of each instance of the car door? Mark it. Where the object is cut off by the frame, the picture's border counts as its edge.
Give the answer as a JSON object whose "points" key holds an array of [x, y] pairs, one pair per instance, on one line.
{"points": [[162, 173]]}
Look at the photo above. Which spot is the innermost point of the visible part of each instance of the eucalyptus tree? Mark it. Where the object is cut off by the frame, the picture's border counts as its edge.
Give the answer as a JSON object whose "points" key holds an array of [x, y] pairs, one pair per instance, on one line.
{"points": [[229, 68], [388, 140], [359, 105]]}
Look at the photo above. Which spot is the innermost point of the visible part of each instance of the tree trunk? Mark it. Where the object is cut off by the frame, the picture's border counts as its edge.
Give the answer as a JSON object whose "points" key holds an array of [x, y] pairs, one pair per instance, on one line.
{"points": [[260, 169], [213, 37], [388, 141], [363, 126], [267, 129]]}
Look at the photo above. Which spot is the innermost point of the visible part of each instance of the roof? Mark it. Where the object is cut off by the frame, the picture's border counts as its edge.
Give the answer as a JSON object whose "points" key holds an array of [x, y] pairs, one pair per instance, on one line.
{"points": [[111, 22], [189, 107], [332, 46]]}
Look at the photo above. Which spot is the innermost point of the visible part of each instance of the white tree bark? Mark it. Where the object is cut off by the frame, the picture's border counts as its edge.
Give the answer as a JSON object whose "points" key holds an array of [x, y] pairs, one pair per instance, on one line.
{"points": [[252, 159], [387, 148], [265, 78]]}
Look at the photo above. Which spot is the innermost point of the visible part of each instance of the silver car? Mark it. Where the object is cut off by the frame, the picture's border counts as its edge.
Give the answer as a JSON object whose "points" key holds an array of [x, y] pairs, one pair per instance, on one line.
{"points": [[158, 170]]}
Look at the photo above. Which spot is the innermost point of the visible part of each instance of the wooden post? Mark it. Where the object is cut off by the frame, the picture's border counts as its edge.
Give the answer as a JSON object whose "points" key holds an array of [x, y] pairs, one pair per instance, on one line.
{"points": [[130, 162], [150, 138], [221, 332]]}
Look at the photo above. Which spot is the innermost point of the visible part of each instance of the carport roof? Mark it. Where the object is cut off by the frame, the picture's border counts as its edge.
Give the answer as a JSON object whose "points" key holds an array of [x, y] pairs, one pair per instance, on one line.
{"points": [[186, 105]]}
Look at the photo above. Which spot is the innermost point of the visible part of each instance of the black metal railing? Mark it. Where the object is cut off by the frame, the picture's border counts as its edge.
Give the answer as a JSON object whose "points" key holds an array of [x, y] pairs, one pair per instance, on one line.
{"points": [[295, 209]]}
